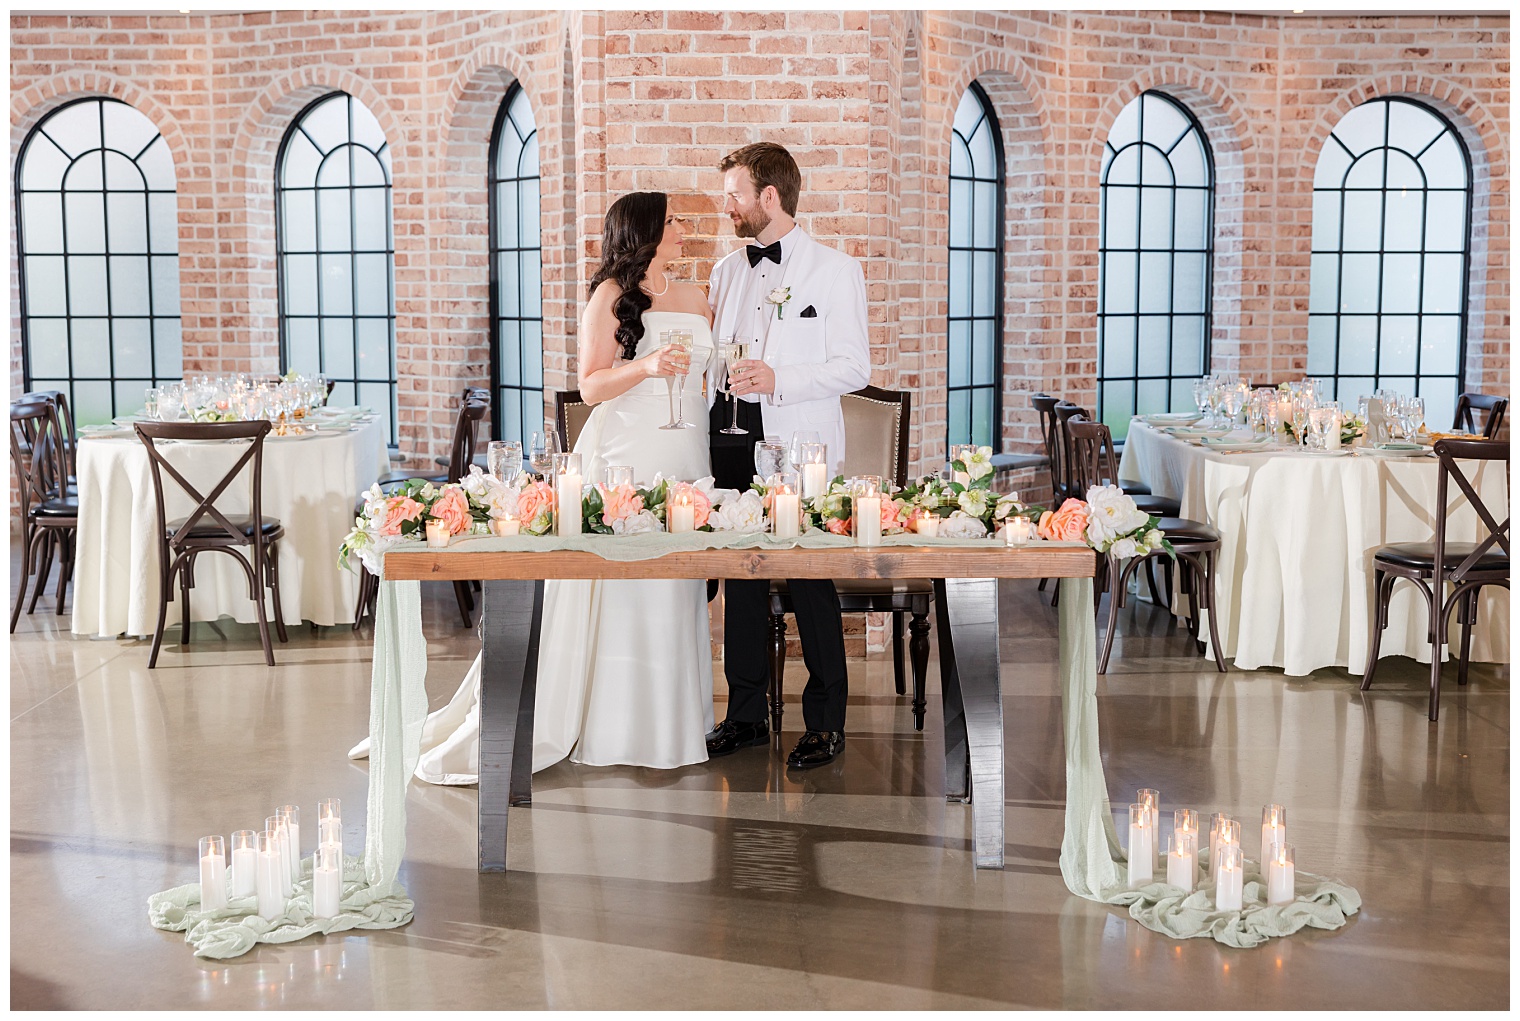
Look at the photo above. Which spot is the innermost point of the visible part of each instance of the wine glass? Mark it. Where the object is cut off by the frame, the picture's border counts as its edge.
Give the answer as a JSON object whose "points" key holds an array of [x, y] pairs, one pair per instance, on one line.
{"points": [[800, 438], [1200, 395], [541, 450], [676, 385], [1413, 414], [150, 402], [769, 459], [1301, 406], [733, 350], [504, 458], [1234, 398]]}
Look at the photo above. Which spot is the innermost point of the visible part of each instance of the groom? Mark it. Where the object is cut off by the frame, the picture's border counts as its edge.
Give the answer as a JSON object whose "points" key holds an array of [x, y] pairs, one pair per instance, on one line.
{"points": [[802, 305]]}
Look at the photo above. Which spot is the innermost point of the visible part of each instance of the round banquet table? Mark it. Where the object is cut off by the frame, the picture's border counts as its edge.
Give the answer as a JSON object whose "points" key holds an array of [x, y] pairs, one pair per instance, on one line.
{"points": [[1294, 583], [310, 483]]}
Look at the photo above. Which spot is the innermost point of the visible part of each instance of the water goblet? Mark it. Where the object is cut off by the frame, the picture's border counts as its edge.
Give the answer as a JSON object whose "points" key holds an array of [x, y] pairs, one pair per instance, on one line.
{"points": [[504, 459], [794, 450], [541, 450], [769, 459], [150, 402], [615, 475]]}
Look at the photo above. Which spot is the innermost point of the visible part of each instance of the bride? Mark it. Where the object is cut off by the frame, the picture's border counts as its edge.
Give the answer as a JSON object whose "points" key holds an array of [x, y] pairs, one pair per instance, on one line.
{"points": [[625, 667]]}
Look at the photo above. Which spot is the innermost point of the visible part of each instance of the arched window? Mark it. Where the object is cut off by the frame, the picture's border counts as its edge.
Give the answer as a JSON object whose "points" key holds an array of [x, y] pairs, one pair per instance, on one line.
{"points": [[337, 304], [517, 314], [96, 228], [975, 362], [1388, 278], [1155, 245]]}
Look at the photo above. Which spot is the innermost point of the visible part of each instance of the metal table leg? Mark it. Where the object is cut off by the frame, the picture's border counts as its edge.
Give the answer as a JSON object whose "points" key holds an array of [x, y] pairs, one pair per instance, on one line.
{"points": [[957, 760], [971, 606], [510, 622]]}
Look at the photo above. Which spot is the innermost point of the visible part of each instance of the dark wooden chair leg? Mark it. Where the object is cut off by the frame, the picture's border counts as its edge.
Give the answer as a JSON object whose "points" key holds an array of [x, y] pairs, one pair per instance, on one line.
{"points": [[66, 569], [918, 650], [1469, 618], [1438, 613], [256, 578], [778, 668], [898, 667], [462, 597], [29, 541], [1382, 587], [185, 569], [1115, 600], [272, 562], [48, 538], [361, 602], [166, 586], [1210, 563]]}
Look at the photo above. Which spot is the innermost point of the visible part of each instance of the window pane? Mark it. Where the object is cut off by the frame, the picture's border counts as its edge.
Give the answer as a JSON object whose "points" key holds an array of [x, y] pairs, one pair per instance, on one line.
{"points": [[91, 344], [127, 221], [1192, 219], [1327, 221], [164, 273], [1119, 347], [129, 285], [1359, 283], [84, 223], [1404, 215], [1187, 345], [533, 353], [1156, 282], [87, 285], [1443, 283], [1401, 283], [1358, 345], [1439, 344], [1397, 345], [984, 284], [1444, 164], [49, 348], [338, 347], [45, 288], [1155, 334], [509, 353], [1445, 221], [372, 284], [1363, 225], [959, 360], [1155, 218], [1120, 272], [132, 343], [371, 220], [42, 223], [163, 223], [374, 349], [1321, 360], [337, 295], [1120, 228], [984, 352], [988, 216], [168, 348]]}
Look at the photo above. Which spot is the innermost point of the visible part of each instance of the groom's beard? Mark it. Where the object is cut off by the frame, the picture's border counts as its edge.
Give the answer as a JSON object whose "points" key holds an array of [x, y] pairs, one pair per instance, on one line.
{"points": [[750, 228]]}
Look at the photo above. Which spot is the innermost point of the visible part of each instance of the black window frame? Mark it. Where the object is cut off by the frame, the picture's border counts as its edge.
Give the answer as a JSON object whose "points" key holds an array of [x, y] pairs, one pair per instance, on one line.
{"points": [[499, 386]]}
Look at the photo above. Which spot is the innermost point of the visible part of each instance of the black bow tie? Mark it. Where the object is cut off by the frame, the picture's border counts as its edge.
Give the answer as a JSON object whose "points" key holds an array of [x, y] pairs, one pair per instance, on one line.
{"points": [[771, 251]]}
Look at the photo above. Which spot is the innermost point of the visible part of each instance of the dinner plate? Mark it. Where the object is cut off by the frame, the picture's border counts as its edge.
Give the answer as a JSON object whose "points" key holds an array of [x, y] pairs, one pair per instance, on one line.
{"points": [[272, 438], [1194, 434], [1171, 418], [1402, 451], [1224, 443], [98, 432], [1339, 452]]}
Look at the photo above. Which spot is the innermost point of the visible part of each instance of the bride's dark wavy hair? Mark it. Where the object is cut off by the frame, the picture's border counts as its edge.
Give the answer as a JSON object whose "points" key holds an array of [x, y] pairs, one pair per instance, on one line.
{"points": [[631, 232]]}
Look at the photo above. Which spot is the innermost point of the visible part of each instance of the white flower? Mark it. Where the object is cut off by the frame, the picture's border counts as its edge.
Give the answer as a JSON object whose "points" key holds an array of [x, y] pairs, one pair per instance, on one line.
{"points": [[427, 492], [1006, 506], [501, 502], [1123, 549], [962, 526], [779, 297], [1112, 514], [636, 524], [742, 513], [477, 484], [374, 507], [979, 464], [973, 502]]}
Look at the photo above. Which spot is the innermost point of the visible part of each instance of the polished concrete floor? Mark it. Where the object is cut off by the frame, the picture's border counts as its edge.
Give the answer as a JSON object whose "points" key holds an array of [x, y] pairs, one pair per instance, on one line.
{"points": [[732, 884]]}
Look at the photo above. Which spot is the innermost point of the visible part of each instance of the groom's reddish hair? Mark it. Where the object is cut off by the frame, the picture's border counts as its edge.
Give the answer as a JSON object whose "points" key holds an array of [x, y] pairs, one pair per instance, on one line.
{"points": [[770, 165]]}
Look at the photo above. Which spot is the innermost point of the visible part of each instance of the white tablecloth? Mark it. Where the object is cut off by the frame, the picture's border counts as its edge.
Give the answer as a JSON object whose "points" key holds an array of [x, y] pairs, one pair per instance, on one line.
{"points": [[1295, 574], [310, 484]]}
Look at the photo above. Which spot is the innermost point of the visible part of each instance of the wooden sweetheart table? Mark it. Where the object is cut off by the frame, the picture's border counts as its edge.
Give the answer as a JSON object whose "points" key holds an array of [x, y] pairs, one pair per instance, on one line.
{"points": [[966, 581]]}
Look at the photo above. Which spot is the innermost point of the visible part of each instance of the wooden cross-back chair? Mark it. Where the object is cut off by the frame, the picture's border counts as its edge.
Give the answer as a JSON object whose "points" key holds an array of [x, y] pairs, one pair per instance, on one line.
{"points": [[49, 512], [1490, 409], [208, 529]]}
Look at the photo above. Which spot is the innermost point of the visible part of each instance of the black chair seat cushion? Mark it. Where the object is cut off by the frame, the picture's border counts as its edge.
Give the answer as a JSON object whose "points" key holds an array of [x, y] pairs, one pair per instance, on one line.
{"points": [[208, 528], [1135, 488], [66, 507], [1187, 530], [1422, 555], [1161, 506]]}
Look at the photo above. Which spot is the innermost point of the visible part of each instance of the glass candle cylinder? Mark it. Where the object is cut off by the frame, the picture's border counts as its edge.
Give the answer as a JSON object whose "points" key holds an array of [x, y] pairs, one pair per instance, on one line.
{"points": [[1229, 878], [865, 511], [1182, 860], [271, 876], [927, 524], [1186, 820], [1148, 796], [275, 824], [786, 507], [437, 533], [327, 880], [1228, 836], [1280, 874], [1217, 820], [506, 525], [330, 821], [961, 453], [567, 494], [1142, 846], [1018, 531], [681, 514], [213, 857], [245, 863], [815, 469], [1274, 828], [292, 816], [617, 475]]}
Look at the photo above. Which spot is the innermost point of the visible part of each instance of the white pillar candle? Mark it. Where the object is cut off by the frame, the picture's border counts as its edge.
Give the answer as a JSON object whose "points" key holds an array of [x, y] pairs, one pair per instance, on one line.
{"points": [[505, 526], [330, 822], [292, 816], [1274, 828], [567, 520], [245, 863], [1152, 798], [1333, 440], [867, 515], [928, 524], [1142, 846], [1228, 835], [271, 876], [1280, 874], [682, 516], [275, 824], [1229, 882], [786, 515], [1182, 860], [213, 853], [327, 881], [815, 479], [437, 533]]}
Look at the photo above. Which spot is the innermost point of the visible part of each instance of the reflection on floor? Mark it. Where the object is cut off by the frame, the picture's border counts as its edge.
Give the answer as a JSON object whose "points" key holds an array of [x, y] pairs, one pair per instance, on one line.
{"points": [[733, 884]]}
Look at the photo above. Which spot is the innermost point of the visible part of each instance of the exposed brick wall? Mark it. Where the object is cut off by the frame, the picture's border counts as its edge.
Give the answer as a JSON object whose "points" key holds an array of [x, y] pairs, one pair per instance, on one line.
{"points": [[629, 100]]}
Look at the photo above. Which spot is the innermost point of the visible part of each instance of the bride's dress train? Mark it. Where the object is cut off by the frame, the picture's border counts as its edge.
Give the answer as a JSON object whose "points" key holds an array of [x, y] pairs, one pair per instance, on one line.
{"points": [[625, 667]]}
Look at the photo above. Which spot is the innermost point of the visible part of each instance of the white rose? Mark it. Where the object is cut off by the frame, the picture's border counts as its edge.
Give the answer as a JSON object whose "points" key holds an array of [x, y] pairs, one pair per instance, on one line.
{"points": [[1123, 549], [973, 502], [742, 513], [961, 526], [1113, 513], [477, 483], [779, 295], [636, 524], [501, 502], [374, 506]]}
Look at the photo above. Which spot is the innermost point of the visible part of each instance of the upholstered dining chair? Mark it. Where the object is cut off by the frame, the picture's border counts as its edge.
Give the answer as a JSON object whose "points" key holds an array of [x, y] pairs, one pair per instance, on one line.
{"points": [[49, 513], [473, 407], [570, 414], [210, 529], [1196, 543], [1466, 566], [1494, 407], [876, 424]]}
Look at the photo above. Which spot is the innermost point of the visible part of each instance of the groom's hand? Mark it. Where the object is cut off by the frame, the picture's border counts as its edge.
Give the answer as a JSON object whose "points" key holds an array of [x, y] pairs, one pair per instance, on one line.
{"points": [[752, 377]]}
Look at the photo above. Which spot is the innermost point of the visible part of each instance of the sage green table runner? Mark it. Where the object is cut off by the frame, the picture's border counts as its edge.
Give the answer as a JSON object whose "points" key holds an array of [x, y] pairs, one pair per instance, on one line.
{"points": [[1091, 861]]}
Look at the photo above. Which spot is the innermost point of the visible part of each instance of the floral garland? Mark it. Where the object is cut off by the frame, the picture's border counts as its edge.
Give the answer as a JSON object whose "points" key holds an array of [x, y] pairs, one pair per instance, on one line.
{"points": [[1108, 521], [971, 509]]}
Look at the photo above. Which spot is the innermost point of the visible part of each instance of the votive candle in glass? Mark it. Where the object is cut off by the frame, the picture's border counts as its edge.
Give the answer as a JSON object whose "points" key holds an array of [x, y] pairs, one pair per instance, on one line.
{"points": [[271, 876], [1142, 845], [1186, 820], [815, 469], [437, 533], [865, 512], [292, 817], [1280, 874], [327, 880], [681, 515], [330, 821], [275, 824], [1215, 821], [1274, 828], [505, 525], [786, 507], [1182, 860], [213, 856], [1229, 878], [245, 863], [1018, 531], [615, 475]]}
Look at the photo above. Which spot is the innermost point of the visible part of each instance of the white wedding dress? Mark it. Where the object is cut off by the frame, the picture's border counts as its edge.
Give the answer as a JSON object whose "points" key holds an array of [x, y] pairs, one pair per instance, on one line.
{"points": [[625, 667]]}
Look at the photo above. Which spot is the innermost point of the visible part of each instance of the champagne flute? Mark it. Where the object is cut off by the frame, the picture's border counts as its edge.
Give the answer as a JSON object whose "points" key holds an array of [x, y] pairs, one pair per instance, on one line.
{"points": [[504, 457], [734, 350], [541, 450], [676, 385], [670, 384]]}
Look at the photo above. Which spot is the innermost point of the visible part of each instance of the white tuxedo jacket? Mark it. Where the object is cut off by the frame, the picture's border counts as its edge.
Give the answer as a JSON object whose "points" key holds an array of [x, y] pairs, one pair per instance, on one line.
{"points": [[815, 358]]}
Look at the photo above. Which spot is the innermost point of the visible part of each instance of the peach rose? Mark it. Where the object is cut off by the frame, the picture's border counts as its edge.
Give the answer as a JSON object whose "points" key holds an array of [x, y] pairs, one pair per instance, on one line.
{"points": [[453, 509], [1068, 524], [701, 506], [533, 499], [892, 519], [398, 511], [839, 526], [619, 502]]}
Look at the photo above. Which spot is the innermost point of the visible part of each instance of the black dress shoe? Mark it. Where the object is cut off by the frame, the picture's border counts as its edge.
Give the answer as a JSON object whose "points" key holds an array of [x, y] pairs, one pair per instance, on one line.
{"points": [[729, 736], [817, 748]]}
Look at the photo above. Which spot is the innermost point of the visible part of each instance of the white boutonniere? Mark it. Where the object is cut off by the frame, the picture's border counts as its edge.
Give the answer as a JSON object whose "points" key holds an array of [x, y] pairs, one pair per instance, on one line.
{"points": [[779, 297]]}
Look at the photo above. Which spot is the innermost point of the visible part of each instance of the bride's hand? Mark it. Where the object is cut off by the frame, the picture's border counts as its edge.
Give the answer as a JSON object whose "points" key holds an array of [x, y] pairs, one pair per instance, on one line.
{"points": [[667, 361]]}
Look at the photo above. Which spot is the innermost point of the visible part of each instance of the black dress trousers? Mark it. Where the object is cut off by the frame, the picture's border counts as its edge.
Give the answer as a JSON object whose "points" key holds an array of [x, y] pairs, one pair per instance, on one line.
{"points": [[746, 605]]}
